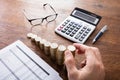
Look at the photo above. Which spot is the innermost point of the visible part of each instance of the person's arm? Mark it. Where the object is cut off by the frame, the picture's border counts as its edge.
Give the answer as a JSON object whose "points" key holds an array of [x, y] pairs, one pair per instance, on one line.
{"points": [[92, 67]]}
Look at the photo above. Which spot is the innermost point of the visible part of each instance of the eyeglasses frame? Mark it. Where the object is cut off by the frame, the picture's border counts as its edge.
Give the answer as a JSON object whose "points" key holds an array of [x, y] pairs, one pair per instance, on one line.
{"points": [[45, 18]]}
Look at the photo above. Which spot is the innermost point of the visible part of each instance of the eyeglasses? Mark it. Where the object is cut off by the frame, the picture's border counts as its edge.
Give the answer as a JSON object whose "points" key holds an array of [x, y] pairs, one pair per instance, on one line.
{"points": [[39, 21]]}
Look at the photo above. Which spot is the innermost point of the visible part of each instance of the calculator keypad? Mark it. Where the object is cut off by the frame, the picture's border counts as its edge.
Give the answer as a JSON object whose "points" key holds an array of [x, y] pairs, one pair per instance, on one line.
{"points": [[74, 30]]}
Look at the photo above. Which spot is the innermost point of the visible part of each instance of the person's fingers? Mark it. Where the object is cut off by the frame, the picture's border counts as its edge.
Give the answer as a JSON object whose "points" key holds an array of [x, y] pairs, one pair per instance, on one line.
{"points": [[90, 57], [92, 60], [89, 53], [69, 61], [80, 48], [97, 53], [98, 57], [83, 63]]}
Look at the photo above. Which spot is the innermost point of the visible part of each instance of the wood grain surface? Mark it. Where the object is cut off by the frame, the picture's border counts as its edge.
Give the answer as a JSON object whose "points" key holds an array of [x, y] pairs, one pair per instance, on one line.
{"points": [[14, 26]]}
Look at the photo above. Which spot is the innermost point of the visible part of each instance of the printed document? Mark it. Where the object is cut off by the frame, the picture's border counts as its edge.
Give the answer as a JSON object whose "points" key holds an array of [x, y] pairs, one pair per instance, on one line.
{"points": [[18, 62]]}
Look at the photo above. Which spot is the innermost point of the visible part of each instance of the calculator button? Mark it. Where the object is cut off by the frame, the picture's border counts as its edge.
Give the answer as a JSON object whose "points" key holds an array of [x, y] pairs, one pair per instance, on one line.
{"points": [[81, 31], [70, 30], [82, 36], [59, 29], [84, 27], [71, 34], [66, 28], [72, 22], [68, 20], [65, 23], [77, 36], [81, 39], [67, 32], [63, 31], [88, 29], [85, 34], [74, 25], [78, 27], [74, 32]]}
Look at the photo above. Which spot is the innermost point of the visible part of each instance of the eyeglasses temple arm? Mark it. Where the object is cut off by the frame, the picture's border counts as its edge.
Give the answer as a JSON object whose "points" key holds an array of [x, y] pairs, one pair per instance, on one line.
{"points": [[50, 7]]}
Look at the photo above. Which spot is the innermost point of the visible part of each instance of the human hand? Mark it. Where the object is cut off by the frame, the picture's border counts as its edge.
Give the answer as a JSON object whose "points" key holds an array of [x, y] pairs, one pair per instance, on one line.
{"points": [[92, 67]]}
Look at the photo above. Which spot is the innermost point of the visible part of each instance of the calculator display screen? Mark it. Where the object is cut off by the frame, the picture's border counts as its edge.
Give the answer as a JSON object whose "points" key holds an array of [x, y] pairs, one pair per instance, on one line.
{"points": [[86, 16]]}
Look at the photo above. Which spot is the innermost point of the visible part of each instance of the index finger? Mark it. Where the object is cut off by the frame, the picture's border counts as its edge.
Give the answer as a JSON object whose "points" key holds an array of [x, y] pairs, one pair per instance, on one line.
{"points": [[89, 53], [80, 47]]}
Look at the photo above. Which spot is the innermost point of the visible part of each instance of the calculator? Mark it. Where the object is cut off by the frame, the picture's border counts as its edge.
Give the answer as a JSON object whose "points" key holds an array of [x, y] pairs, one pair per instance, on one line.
{"points": [[78, 26]]}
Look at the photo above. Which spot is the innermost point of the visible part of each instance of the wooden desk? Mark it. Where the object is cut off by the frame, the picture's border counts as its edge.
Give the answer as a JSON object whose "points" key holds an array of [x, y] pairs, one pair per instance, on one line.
{"points": [[14, 26]]}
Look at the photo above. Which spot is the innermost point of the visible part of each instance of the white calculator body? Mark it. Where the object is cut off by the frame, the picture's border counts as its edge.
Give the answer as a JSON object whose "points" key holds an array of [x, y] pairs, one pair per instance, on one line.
{"points": [[78, 26]]}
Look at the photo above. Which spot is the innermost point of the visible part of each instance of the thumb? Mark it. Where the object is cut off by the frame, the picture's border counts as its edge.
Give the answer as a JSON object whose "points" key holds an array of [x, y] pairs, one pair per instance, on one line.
{"points": [[69, 61]]}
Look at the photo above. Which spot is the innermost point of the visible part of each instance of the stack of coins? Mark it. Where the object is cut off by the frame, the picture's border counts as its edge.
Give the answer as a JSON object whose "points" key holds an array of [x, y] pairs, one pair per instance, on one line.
{"points": [[42, 42], [29, 35], [53, 49], [33, 37], [60, 54], [37, 40], [47, 48], [72, 49]]}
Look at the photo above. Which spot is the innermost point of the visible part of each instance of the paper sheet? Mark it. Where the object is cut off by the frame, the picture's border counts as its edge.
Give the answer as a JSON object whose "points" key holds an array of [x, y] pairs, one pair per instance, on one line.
{"points": [[18, 62]]}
